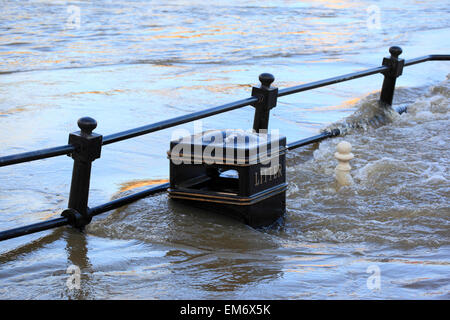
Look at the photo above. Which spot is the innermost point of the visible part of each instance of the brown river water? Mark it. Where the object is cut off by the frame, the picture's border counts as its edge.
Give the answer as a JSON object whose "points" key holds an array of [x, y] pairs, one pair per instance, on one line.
{"points": [[130, 63]]}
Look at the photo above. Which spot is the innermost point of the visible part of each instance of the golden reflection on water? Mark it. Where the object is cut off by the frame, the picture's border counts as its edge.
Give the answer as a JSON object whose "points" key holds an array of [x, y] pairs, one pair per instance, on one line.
{"points": [[225, 31], [50, 215], [406, 261], [140, 183], [167, 46], [12, 111], [126, 186], [108, 93], [343, 106], [337, 4]]}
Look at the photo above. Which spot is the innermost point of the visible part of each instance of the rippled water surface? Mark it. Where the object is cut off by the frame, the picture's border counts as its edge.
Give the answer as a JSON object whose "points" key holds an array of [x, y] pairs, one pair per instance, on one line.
{"points": [[129, 63]]}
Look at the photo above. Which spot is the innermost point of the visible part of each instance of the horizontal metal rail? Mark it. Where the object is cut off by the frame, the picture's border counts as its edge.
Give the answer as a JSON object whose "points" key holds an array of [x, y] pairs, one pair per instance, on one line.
{"points": [[326, 82], [33, 228], [62, 221], [128, 199], [176, 121], [317, 138], [36, 155], [67, 149], [391, 69], [431, 57]]}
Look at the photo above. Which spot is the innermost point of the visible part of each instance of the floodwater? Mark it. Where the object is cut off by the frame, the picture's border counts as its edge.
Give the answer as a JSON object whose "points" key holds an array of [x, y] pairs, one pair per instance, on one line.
{"points": [[130, 63]]}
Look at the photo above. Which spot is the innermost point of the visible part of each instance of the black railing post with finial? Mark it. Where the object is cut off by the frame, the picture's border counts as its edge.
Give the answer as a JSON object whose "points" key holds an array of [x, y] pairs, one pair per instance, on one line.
{"points": [[88, 147], [395, 65], [267, 99]]}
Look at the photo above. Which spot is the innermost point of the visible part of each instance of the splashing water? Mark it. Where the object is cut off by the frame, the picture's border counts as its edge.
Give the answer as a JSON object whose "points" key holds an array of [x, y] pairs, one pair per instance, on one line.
{"points": [[370, 113], [401, 173], [131, 63], [381, 171], [395, 217]]}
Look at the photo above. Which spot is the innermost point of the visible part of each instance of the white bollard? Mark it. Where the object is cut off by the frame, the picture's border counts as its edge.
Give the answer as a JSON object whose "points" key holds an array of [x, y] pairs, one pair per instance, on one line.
{"points": [[342, 171]]}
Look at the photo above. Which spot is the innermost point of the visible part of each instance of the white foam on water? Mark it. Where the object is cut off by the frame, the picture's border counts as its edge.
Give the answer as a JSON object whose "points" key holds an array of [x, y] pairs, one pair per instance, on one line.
{"points": [[401, 194]]}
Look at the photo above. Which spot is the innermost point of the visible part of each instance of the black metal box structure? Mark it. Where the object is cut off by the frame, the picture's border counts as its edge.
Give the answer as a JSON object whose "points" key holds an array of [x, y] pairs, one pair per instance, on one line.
{"points": [[236, 173]]}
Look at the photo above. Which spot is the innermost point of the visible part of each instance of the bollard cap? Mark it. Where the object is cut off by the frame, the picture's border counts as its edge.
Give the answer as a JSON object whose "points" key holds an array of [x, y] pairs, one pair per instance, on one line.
{"points": [[395, 51], [343, 153], [87, 124], [344, 147], [266, 79]]}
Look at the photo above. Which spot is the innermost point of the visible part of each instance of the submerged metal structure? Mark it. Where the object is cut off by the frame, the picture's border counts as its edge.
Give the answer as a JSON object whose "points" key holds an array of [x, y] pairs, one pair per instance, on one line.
{"points": [[85, 146], [240, 174]]}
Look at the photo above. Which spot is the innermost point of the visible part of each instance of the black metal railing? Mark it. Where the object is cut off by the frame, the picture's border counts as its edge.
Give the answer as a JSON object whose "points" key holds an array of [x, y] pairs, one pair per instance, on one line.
{"points": [[85, 146]]}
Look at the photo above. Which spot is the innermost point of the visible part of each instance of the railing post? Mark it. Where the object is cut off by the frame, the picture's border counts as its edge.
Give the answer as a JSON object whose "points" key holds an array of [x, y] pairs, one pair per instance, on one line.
{"points": [[267, 99], [395, 70], [88, 147]]}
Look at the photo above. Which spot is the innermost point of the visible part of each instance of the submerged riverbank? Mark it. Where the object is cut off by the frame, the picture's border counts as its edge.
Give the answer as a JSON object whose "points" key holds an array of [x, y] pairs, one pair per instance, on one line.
{"points": [[127, 67]]}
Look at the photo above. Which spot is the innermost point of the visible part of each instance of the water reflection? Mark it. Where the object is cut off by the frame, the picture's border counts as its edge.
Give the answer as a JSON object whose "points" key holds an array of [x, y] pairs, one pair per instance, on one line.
{"points": [[78, 256], [136, 62], [126, 32], [24, 248], [217, 253]]}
